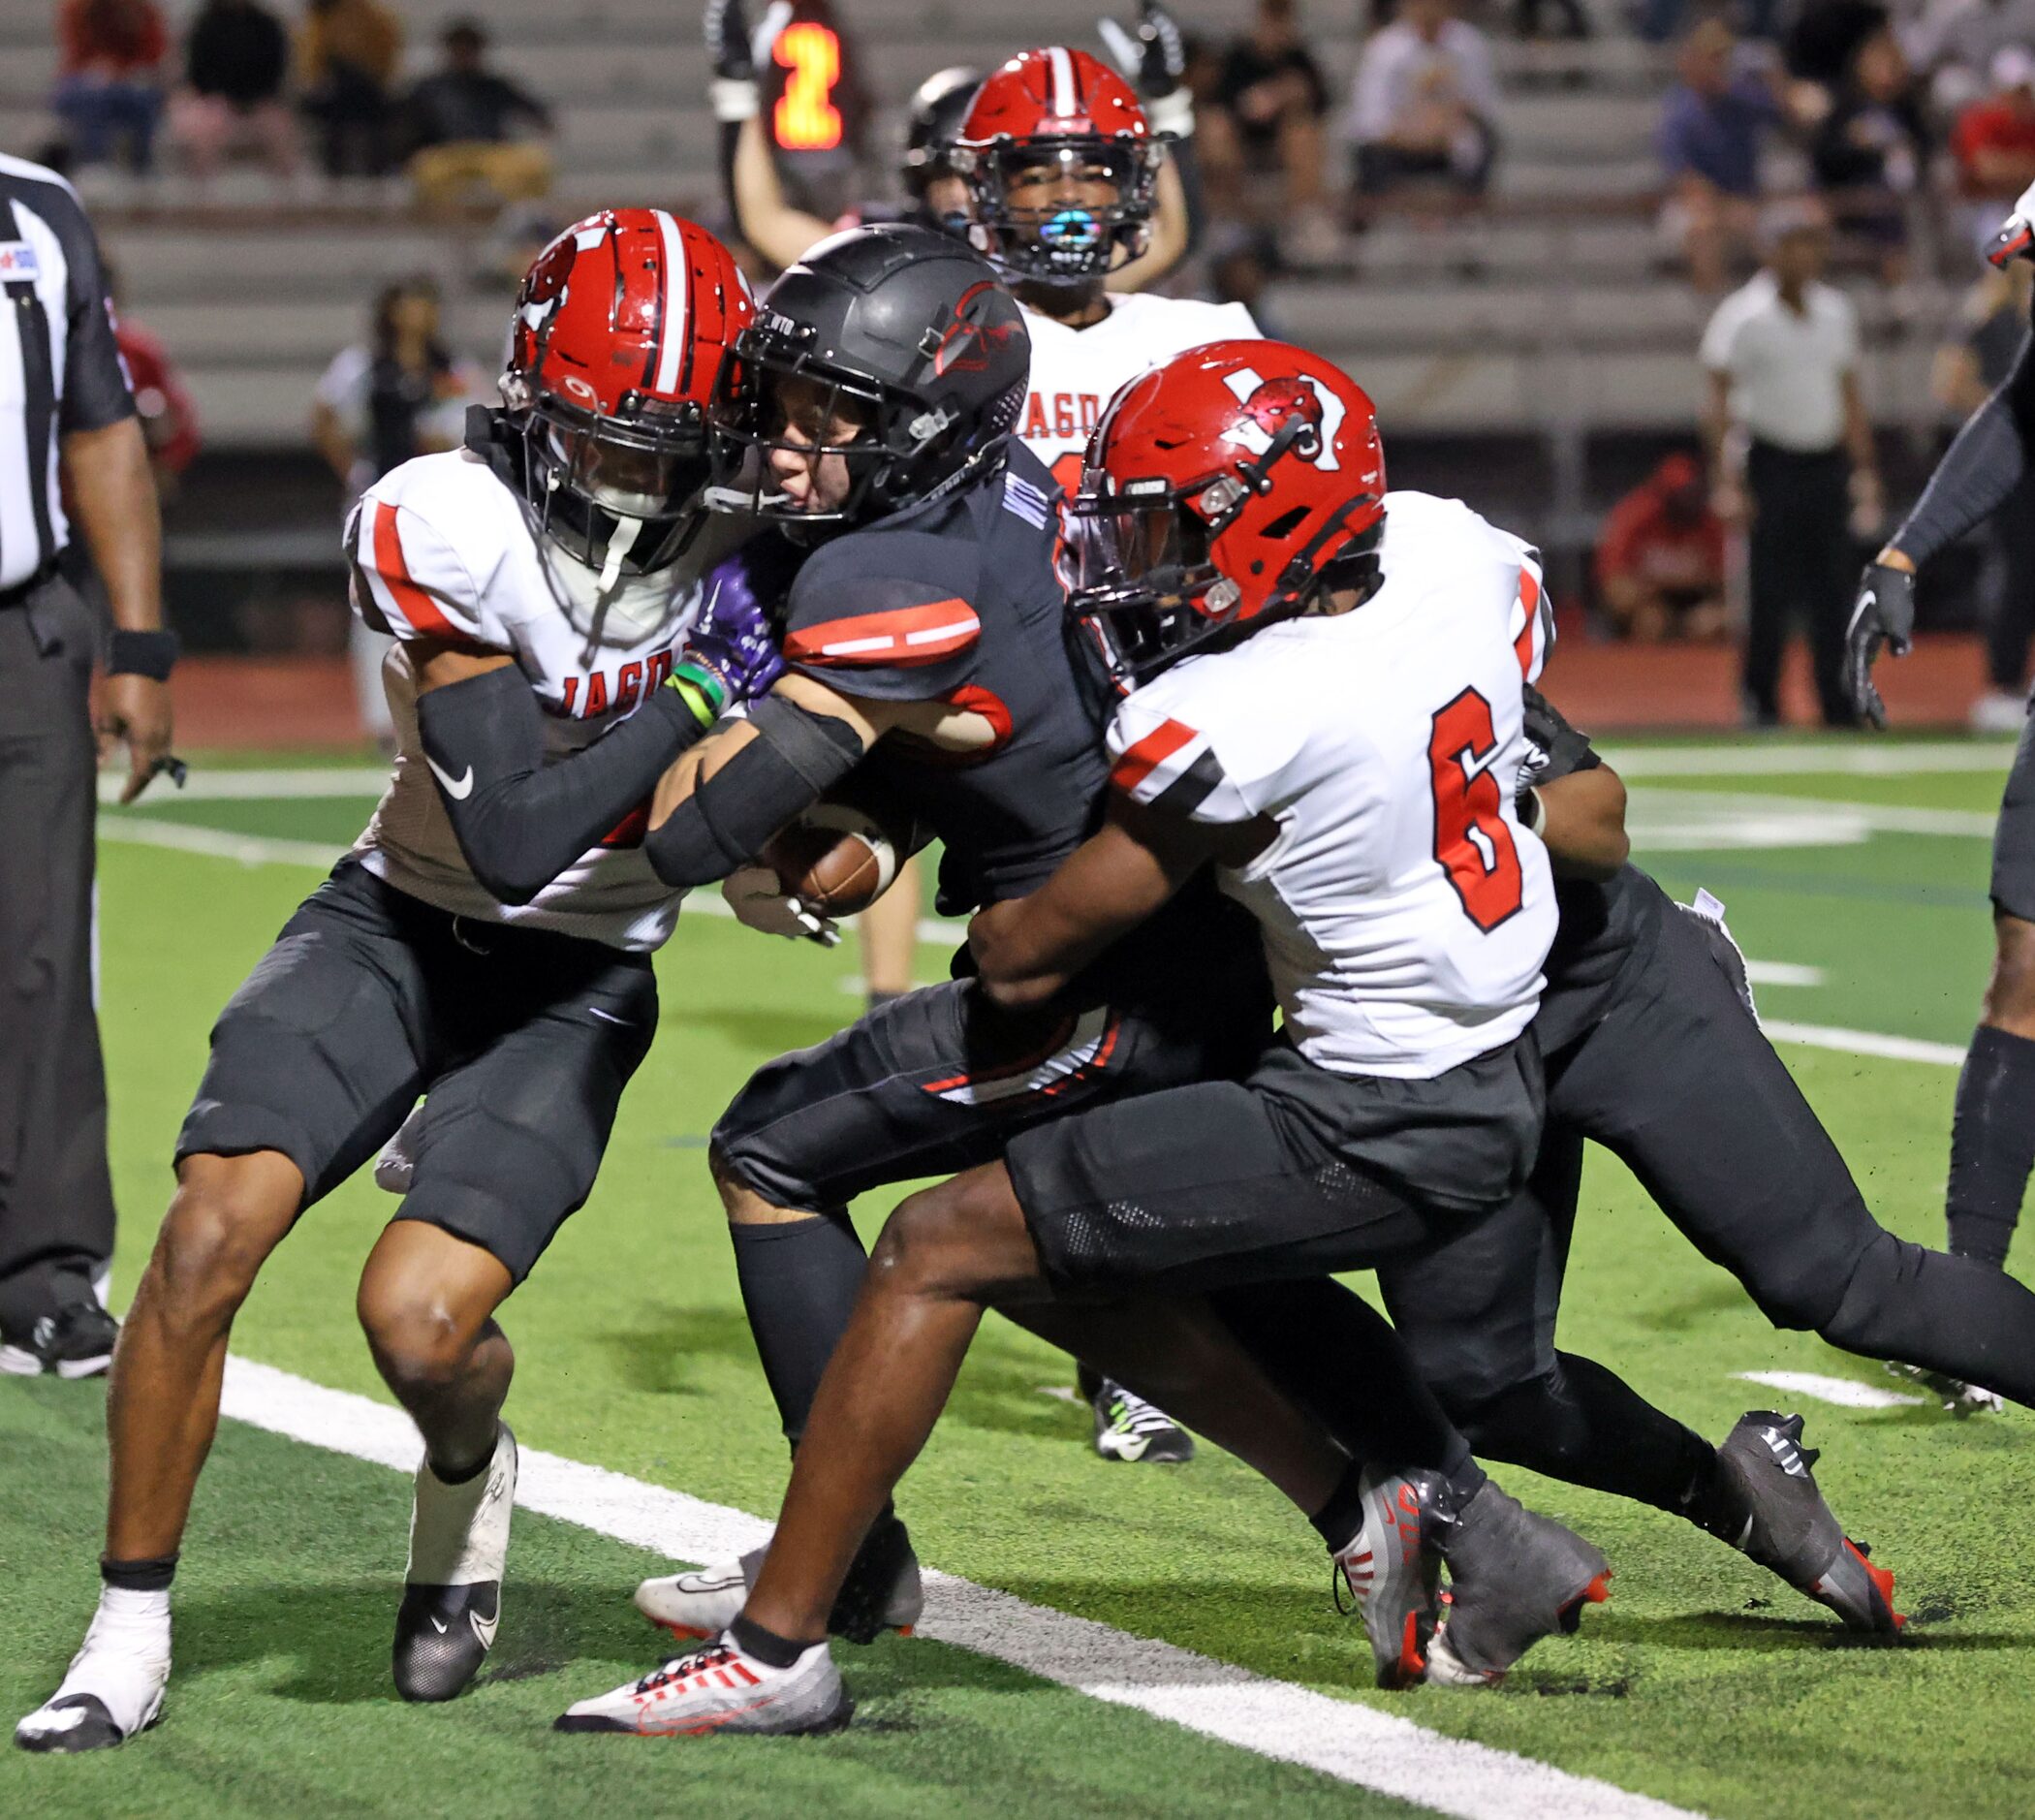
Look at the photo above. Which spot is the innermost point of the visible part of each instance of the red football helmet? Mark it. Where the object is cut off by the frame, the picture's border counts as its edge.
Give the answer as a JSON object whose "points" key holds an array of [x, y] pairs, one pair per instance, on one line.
{"points": [[620, 329], [1223, 490], [1061, 128]]}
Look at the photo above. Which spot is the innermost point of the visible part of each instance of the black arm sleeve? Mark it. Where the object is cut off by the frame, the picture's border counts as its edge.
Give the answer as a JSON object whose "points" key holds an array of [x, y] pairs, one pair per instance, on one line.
{"points": [[1979, 470], [96, 392], [520, 822], [727, 136], [796, 757]]}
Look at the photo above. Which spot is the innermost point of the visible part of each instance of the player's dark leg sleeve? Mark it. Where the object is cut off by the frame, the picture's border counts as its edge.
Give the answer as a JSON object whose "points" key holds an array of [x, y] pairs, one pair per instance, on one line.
{"points": [[1992, 1143], [1479, 1317], [1334, 1355], [800, 1280], [1680, 1084], [520, 822]]}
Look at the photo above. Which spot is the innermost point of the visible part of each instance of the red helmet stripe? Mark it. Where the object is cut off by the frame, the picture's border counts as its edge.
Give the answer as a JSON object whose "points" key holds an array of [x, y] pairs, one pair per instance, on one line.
{"points": [[674, 270]]}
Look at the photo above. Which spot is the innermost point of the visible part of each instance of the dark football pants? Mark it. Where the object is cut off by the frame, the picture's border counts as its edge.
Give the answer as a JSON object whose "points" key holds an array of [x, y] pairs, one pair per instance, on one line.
{"points": [[1677, 1081], [1801, 560], [57, 1199]]}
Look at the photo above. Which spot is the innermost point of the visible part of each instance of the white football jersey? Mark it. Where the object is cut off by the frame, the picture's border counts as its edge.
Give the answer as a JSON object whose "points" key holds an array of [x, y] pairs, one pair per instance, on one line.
{"points": [[441, 549], [1077, 371], [1406, 912]]}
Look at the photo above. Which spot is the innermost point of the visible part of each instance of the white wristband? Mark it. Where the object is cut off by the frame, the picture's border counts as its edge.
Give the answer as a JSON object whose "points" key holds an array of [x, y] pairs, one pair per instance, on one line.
{"points": [[732, 101], [1533, 811], [1173, 115]]}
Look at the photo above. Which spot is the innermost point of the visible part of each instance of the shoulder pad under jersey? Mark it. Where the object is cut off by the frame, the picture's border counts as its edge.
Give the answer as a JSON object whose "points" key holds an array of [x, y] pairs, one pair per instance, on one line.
{"points": [[424, 544]]}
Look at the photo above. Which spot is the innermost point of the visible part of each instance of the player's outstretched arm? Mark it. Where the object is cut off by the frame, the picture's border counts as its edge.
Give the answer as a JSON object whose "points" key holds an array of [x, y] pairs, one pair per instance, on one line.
{"points": [[518, 821], [755, 195], [1027, 950], [1978, 473]]}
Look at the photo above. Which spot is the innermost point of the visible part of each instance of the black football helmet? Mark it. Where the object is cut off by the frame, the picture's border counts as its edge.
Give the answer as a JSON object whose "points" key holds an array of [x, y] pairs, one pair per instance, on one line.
{"points": [[905, 330], [932, 123]]}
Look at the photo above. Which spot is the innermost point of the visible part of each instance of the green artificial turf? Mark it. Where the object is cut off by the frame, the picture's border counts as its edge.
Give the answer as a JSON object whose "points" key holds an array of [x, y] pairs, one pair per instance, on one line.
{"points": [[1704, 1682]]}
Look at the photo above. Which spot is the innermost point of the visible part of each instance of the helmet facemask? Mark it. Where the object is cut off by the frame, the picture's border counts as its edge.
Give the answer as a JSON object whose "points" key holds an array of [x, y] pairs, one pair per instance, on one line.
{"points": [[892, 446], [1056, 212], [621, 491]]}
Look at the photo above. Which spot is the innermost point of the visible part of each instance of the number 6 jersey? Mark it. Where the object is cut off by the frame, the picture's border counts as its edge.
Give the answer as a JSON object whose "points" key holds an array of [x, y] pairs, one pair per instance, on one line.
{"points": [[1406, 913]]}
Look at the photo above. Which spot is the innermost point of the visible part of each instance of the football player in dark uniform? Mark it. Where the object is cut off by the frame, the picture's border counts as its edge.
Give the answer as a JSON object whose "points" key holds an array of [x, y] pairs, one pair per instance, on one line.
{"points": [[926, 653], [1992, 1131]]}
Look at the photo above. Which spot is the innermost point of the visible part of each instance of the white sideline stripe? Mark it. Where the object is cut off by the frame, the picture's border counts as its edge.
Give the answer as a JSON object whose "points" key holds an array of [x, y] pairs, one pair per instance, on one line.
{"points": [[1699, 805], [297, 783], [1277, 1719], [1847, 1392], [218, 843], [1855, 759], [1783, 973], [1864, 1042]]}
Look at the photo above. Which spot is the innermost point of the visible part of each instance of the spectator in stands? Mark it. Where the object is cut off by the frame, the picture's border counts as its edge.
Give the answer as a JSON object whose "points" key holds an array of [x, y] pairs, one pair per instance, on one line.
{"points": [[1660, 558], [162, 400], [1970, 365], [1955, 40], [1265, 120], [1782, 354], [1424, 107], [110, 82], [399, 393], [1709, 139], [461, 125], [236, 61], [348, 52], [1867, 153], [1993, 141]]}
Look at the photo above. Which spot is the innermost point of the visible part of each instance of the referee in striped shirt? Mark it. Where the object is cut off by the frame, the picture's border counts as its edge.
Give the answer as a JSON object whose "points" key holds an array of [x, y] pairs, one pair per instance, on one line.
{"points": [[73, 463]]}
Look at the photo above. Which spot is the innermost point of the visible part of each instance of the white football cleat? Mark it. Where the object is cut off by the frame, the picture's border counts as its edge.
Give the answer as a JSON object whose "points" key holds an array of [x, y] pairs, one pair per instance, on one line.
{"points": [[114, 1688], [719, 1687], [453, 1590], [883, 1592]]}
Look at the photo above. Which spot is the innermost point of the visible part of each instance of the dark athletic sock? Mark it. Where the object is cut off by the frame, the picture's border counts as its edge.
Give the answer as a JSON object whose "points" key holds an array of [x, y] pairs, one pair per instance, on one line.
{"points": [[466, 1475], [138, 1575], [798, 1280], [1992, 1143], [766, 1646], [1586, 1426], [1339, 1360], [1338, 1521]]}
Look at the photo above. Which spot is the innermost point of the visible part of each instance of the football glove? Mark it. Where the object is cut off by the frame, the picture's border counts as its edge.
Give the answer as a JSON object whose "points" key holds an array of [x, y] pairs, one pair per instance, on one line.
{"points": [[736, 52], [1884, 615], [1153, 57], [734, 639], [757, 896]]}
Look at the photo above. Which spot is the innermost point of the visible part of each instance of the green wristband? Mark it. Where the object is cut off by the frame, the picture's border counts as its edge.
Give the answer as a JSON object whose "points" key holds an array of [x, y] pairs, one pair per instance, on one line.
{"points": [[700, 689]]}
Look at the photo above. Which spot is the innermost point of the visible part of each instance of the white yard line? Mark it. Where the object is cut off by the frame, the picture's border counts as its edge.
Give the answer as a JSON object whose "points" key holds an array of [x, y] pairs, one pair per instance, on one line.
{"points": [[1864, 1042], [1783, 973], [299, 783], [1277, 1719], [1846, 1393], [1847, 819], [1861, 758]]}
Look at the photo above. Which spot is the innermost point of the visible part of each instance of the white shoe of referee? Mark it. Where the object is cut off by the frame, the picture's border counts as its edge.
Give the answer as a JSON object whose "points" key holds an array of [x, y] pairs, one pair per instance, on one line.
{"points": [[114, 1688]]}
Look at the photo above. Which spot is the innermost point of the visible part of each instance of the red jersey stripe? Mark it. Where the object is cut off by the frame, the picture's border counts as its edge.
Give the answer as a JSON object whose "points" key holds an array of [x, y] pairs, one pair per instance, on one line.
{"points": [[410, 601], [1139, 761], [1530, 602], [903, 637]]}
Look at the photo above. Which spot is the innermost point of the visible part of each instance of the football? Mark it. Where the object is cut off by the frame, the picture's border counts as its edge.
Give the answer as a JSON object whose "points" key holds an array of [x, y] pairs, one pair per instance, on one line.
{"points": [[835, 858]]}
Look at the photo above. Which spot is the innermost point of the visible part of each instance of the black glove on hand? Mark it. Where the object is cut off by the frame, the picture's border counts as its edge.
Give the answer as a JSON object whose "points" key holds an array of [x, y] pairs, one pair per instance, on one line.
{"points": [[727, 30], [1884, 615], [1155, 57]]}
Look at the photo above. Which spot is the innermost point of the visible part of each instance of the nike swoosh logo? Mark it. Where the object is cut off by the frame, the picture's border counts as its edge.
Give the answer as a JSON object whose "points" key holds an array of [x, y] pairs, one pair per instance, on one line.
{"points": [[608, 1017], [458, 790], [435, 1623], [483, 1628]]}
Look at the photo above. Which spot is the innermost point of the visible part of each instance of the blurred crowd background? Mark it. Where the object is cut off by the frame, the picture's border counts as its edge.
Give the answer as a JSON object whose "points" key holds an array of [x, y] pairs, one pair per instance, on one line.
{"points": [[1524, 224]]}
